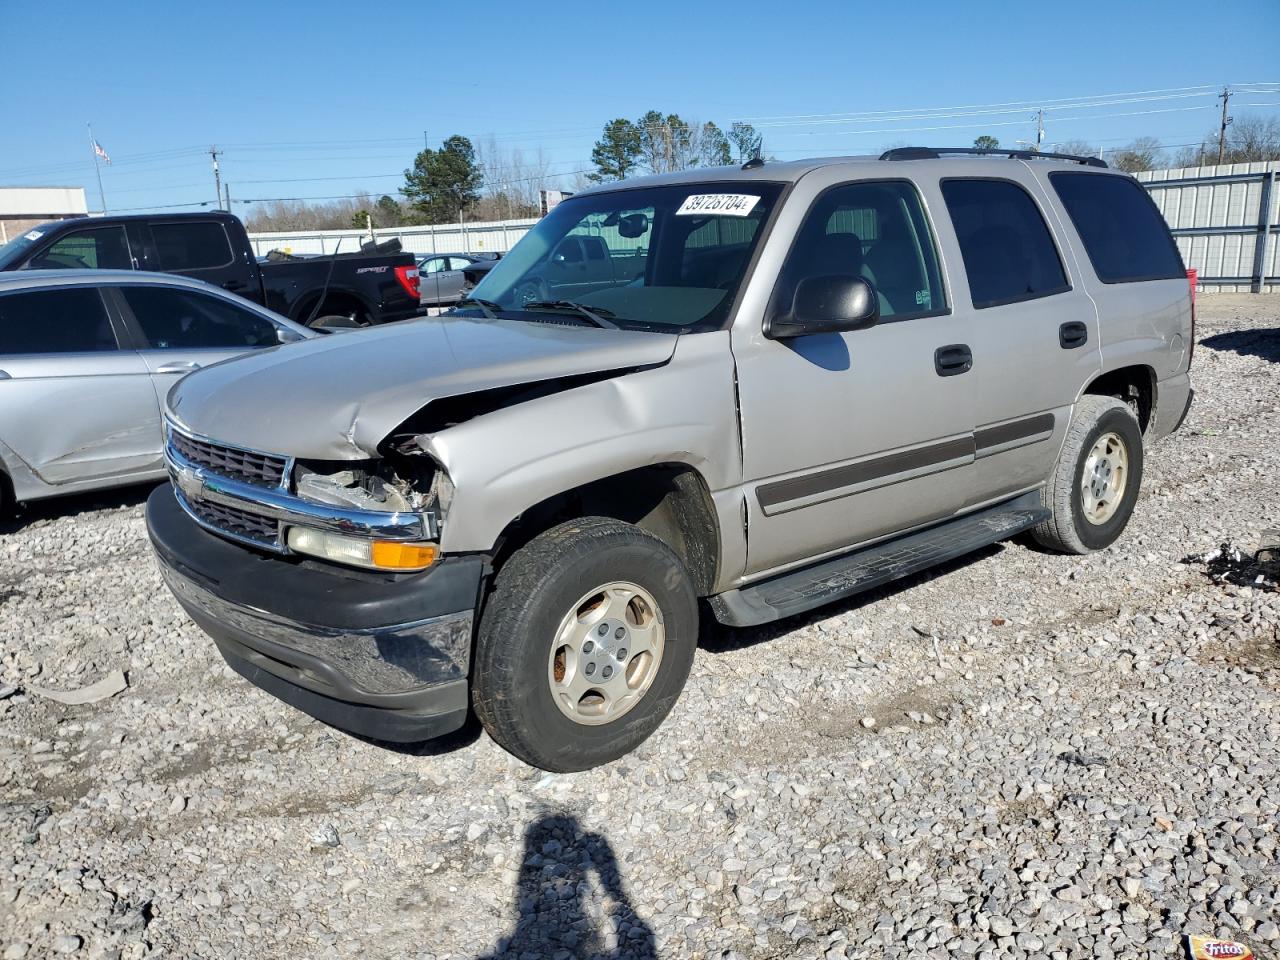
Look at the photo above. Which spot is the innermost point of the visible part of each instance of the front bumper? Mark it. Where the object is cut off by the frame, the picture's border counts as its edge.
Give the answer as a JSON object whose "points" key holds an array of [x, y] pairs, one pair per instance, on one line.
{"points": [[378, 655]]}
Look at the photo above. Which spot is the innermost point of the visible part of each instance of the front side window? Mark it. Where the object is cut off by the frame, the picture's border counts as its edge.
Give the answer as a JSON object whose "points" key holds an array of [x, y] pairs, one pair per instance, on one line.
{"points": [[661, 258], [69, 320], [435, 265], [1008, 251], [200, 245], [1126, 238], [99, 248], [186, 319], [874, 230]]}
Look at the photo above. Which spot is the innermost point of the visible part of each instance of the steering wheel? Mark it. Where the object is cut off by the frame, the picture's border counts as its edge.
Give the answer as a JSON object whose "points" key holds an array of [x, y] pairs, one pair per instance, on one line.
{"points": [[531, 288]]}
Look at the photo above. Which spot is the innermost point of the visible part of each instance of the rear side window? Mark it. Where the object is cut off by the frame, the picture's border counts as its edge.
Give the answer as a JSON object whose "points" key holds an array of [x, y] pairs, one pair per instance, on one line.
{"points": [[191, 246], [174, 319], [1008, 252], [55, 321], [1123, 233], [101, 248]]}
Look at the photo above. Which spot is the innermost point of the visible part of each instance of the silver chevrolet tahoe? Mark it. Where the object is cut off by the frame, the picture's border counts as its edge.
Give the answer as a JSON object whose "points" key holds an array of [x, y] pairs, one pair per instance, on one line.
{"points": [[762, 388]]}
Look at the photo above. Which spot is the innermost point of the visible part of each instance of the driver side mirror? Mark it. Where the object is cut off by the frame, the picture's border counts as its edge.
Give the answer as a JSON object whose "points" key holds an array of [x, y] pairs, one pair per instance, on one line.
{"points": [[829, 304]]}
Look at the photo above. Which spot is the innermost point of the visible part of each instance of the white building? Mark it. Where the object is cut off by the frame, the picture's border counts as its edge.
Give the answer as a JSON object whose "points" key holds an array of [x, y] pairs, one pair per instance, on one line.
{"points": [[21, 208]]}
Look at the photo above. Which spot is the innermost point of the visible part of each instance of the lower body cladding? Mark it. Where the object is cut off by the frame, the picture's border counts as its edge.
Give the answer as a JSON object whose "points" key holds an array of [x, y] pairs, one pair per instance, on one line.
{"points": [[391, 659]]}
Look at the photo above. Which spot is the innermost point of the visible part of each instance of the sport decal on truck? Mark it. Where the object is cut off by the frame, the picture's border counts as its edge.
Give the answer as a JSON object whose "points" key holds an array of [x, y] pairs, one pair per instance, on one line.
{"points": [[371, 270], [722, 204]]}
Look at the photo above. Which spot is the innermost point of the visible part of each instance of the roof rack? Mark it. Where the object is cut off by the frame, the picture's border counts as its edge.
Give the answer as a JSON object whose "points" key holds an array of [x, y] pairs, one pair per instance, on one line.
{"points": [[935, 153]]}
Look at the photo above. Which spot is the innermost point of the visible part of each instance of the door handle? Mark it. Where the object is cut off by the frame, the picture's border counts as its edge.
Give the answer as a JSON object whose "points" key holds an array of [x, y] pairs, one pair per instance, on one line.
{"points": [[953, 359], [178, 366], [234, 285], [1072, 335]]}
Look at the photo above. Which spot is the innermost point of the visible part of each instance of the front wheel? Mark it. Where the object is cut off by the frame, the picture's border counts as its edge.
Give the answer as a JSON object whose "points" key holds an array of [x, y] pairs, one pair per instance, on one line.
{"points": [[585, 644], [1094, 486]]}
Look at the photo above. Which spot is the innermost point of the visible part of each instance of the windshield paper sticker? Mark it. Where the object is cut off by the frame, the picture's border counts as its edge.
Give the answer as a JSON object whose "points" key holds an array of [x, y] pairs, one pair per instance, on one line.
{"points": [[34, 235], [721, 204]]}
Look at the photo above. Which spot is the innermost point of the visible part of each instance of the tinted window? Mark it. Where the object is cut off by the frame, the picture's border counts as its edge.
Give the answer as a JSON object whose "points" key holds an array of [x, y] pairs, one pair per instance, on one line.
{"points": [[183, 319], [191, 246], [1008, 252], [1123, 232], [54, 321], [877, 231], [103, 248]]}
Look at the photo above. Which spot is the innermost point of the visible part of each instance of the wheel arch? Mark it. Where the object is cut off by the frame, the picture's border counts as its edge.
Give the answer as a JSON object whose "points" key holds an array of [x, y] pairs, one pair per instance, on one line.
{"points": [[1135, 385], [670, 500]]}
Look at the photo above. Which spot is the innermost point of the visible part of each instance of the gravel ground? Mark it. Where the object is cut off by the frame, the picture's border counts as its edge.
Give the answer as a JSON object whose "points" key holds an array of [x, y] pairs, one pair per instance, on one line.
{"points": [[1083, 763]]}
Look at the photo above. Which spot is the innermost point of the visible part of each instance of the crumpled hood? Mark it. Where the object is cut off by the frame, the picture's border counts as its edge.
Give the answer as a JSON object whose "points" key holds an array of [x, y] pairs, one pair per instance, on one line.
{"points": [[337, 397]]}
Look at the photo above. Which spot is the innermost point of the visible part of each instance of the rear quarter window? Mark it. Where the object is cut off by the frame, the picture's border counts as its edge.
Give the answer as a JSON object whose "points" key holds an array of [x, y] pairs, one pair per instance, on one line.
{"points": [[1123, 233], [201, 245]]}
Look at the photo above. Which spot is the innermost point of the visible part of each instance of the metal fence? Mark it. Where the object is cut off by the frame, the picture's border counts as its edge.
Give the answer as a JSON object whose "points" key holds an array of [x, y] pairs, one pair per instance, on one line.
{"points": [[491, 237], [1226, 220]]}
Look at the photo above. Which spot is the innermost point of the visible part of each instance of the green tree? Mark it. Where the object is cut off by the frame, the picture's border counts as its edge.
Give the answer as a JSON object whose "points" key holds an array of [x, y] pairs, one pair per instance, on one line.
{"points": [[617, 151], [387, 212], [442, 183], [714, 146], [986, 142], [748, 141], [360, 219]]}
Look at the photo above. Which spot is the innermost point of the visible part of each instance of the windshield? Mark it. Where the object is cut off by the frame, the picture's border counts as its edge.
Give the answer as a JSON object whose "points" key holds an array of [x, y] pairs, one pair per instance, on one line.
{"points": [[16, 250], [655, 258]]}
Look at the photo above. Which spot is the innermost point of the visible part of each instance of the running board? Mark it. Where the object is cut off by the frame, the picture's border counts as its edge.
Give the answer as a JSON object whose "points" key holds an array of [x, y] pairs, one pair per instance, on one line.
{"points": [[850, 573]]}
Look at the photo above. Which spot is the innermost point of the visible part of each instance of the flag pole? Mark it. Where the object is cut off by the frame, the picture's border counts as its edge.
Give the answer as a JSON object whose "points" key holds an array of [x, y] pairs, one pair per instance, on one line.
{"points": [[97, 167]]}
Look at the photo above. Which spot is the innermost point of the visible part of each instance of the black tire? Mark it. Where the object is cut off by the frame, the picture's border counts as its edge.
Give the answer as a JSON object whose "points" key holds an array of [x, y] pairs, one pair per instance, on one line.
{"points": [[536, 588], [1068, 529]]}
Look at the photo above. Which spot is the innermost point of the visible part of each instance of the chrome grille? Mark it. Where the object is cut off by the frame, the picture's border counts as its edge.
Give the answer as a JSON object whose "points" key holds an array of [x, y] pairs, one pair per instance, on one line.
{"points": [[260, 469], [238, 523]]}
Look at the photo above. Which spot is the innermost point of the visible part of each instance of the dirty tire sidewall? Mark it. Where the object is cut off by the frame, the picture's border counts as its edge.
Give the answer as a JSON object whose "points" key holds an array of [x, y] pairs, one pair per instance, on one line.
{"points": [[533, 591], [1067, 529]]}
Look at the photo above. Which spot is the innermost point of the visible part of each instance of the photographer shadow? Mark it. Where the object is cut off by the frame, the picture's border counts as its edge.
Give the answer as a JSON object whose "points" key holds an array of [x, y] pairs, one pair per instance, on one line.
{"points": [[560, 912]]}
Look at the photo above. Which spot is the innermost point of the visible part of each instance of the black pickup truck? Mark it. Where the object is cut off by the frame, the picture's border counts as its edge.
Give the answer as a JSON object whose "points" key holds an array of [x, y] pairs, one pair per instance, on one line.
{"points": [[342, 290]]}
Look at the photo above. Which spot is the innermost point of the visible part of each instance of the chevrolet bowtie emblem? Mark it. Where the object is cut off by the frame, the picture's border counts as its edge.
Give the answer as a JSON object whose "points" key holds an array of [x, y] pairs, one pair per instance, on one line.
{"points": [[189, 482]]}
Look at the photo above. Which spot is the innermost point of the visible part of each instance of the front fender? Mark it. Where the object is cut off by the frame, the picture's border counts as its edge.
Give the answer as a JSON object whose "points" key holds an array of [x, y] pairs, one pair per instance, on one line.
{"points": [[505, 462]]}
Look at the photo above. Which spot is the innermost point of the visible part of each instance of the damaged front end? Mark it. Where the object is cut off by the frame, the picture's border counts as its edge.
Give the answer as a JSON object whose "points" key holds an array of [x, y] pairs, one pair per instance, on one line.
{"points": [[383, 514]]}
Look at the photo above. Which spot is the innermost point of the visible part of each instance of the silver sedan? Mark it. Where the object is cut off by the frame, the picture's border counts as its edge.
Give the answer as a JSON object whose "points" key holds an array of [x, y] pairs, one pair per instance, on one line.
{"points": [[86, 358]]}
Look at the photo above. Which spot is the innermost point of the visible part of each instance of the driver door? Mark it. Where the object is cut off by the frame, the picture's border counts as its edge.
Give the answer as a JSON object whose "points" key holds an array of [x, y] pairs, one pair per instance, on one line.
{"points": [[851, 437]]}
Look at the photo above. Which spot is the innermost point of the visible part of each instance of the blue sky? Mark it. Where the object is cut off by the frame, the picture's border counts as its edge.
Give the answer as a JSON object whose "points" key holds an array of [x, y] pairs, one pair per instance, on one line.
{"points": [[326, 98]]}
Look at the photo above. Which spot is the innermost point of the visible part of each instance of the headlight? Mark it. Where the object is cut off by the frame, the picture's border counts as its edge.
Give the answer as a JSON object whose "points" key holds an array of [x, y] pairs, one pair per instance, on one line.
{"points": [[394, 556]]}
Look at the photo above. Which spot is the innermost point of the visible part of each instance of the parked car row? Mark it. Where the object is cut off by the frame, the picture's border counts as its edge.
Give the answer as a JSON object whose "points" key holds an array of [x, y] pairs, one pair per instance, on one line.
{"points": [[339, 290]]}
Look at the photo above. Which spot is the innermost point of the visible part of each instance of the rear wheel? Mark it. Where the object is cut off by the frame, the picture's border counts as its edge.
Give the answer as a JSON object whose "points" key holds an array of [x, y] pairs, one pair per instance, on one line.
{"points": [[1094, 487], [585, 644], [339, 321]]}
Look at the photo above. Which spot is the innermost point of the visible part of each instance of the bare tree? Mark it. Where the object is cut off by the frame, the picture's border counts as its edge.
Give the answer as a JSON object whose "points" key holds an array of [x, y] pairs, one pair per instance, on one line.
{"points": [[1077, 148], [1144, 153], [282, 215], [1251, 138]]}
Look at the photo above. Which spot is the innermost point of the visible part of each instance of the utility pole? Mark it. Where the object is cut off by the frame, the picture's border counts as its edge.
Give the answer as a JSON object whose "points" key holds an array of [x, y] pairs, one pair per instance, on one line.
{"points": [[227, 188], [1039, 128], [217, 177], [1224, 96]]}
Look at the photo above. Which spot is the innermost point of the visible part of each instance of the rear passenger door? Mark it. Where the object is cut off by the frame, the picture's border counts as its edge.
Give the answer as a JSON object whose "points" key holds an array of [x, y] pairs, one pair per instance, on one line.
{"points": [[179, 330], [74, 403], [1033, 327]]}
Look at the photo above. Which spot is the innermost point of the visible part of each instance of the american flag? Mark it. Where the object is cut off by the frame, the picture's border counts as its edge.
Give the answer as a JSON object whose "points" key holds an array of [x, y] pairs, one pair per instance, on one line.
{"points": [[97, 149]]}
